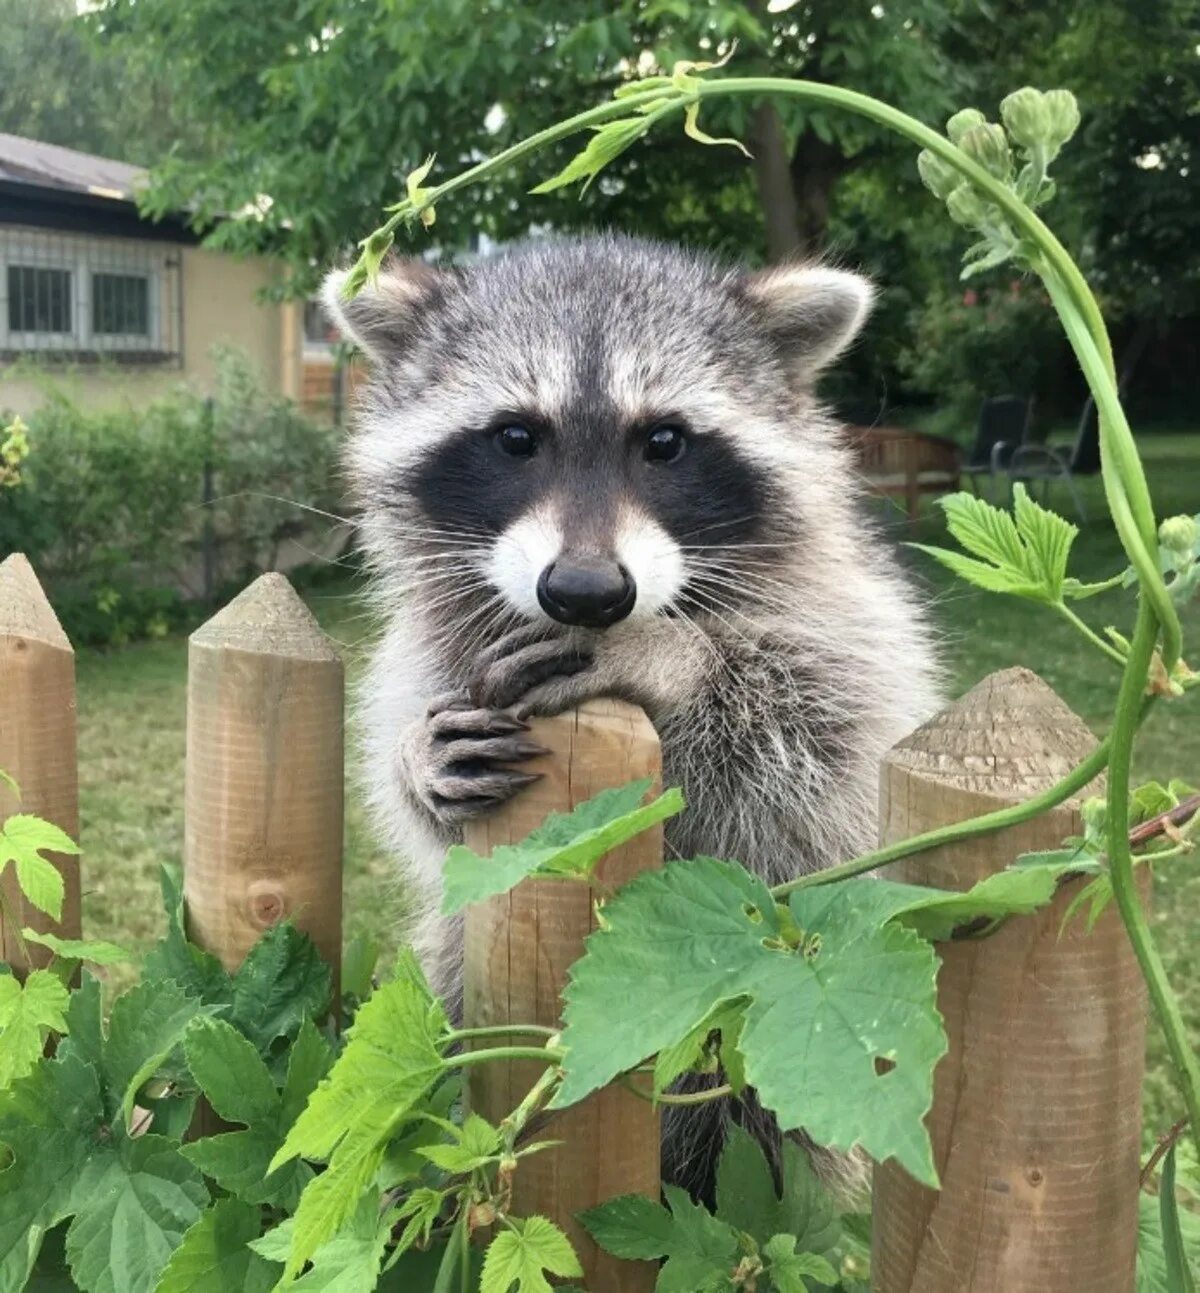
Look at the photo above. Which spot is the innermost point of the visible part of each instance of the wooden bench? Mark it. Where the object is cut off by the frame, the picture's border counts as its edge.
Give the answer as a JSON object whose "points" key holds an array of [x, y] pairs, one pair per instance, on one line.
{"points": [[898, 463]]}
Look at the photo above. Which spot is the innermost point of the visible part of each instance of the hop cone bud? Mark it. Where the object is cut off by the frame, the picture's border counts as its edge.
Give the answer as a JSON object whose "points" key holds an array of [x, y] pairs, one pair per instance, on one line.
{"points": [[1026, 117], [988, 145], [940, 178], [1178, 534], [961, 122], [966, 207], [1064, 116]]}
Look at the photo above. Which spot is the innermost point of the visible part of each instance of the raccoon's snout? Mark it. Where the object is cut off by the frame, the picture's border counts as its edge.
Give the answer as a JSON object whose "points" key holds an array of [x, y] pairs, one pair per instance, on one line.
{"points": [[586, 591]]}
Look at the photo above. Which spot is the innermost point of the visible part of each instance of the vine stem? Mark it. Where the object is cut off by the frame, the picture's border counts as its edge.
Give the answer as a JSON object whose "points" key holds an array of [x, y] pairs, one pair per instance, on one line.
{"points": [[1120, 865], [1074, 781], [684, 1098], [468, 1059], [500, 1030], [1092, 636]]}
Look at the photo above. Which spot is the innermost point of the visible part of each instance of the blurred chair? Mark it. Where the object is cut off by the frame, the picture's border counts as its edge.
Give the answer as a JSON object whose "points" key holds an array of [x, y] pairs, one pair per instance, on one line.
{"points": [[1003, 427], [1032, 463]]}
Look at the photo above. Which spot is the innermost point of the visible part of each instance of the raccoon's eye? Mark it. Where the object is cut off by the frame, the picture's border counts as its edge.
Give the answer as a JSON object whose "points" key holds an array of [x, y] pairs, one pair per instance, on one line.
{"points": [[516, 440], [665, 443]]}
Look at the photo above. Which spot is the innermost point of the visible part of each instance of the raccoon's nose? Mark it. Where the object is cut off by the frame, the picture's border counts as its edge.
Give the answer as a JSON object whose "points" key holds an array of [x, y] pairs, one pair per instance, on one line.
{"points": [[586, 591]]}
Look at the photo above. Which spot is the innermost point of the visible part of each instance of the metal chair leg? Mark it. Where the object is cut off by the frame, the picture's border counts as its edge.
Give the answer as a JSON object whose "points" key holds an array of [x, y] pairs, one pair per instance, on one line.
{"points": [[1076, 497]]}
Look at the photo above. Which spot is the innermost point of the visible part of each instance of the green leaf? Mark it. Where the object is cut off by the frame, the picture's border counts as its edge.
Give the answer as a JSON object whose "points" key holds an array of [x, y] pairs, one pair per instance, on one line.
{"points": [[517, 1258], [789, 1270], [1151, 1258], [358, 966], [145, 1027], [50, 1120], [703, 1249], [281, 983], [214, 1256], [695, 1052], [1179, 1275], [607, 143], [238, 1085], [27, 1014], [1047, 538], [746, 1197], [1075, 590], [631, 1227], [566, 844], [478, 1143], [691, 128], [85, 1030], [991, 578], [936, 913], [23, 840], [132, 1206], [1024, 554], [421, 1209], [842, 1042], [391, 1059], [17, 1264], [233, 1077], [348, 1263], [309, 1060], [95, 950], [198, 972]]}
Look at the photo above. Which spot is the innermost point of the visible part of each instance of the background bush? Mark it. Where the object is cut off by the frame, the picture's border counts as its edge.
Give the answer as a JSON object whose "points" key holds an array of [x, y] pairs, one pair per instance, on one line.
{"points": [[111, 505], [970, 342]]}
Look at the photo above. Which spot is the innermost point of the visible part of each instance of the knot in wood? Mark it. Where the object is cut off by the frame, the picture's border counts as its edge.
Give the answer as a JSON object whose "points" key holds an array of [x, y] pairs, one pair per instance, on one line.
{"points": [[268, 903]]}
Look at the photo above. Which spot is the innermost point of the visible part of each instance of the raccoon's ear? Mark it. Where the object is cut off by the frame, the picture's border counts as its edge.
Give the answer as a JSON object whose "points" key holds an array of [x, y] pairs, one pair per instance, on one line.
{"points": [[381, 319], [812, 312]]}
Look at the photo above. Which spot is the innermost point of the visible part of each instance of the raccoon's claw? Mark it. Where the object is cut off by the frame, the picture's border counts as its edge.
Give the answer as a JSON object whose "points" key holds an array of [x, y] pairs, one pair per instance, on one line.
{"points": [[515, 666], [456, 757]]}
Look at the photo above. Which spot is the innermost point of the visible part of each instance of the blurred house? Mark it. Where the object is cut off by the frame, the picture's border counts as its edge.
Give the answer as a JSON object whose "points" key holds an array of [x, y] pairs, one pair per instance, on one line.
{"points": [[124, 306]]}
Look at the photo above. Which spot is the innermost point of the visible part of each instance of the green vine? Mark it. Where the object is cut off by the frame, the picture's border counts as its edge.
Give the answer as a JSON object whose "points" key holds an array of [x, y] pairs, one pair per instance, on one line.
{"points": [[978, 155]]}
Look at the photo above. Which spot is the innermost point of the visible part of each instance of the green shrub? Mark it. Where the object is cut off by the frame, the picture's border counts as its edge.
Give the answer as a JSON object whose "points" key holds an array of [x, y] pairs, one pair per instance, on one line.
{"points": [[975, 342], [111, 508]]}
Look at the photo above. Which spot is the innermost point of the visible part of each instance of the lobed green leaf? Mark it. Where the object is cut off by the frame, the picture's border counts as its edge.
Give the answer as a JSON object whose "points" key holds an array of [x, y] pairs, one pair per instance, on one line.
{"points": [[518, 1256], [842, 1043], [27, 1013], [566, 844]]}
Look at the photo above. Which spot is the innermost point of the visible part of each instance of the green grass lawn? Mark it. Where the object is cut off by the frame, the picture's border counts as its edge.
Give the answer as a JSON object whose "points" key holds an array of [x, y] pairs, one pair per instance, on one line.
{"points": [[131, 729]]}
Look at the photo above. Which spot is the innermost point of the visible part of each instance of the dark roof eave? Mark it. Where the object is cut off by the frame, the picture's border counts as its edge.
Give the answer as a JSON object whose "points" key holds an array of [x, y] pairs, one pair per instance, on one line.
{"points": [[49, 207]]}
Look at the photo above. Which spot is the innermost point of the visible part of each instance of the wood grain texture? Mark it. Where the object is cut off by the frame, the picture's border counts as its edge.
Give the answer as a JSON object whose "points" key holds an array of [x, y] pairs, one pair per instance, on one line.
{"points": [[264, 802], [1036, 1123], [37, 743], [518, 949]]}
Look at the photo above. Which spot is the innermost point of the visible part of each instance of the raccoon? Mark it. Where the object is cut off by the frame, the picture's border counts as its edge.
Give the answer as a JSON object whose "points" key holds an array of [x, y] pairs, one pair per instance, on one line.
{"points": [[598, 467]]}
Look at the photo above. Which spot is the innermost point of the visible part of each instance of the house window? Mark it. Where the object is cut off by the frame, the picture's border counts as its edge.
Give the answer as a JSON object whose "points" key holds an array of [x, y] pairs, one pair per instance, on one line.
{"points": [[81, 298], [121, 305], [39, 300]]}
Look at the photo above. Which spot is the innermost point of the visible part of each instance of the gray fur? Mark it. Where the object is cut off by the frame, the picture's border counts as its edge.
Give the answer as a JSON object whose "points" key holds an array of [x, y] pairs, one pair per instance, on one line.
{"points": [[775, 694]]}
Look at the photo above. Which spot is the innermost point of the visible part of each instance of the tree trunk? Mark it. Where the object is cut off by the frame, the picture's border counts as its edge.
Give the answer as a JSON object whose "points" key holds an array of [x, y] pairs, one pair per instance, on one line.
{"points": [[815, 168], [773, 175]]}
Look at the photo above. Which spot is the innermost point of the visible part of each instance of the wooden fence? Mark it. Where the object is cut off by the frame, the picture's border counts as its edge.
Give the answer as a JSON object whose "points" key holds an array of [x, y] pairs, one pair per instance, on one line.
{"points": [[1036, 1121]]}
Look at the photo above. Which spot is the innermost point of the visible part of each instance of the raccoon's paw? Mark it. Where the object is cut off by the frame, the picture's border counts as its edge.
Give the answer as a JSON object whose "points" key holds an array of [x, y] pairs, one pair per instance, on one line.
{"points": [[455, 758], [525, 666]]}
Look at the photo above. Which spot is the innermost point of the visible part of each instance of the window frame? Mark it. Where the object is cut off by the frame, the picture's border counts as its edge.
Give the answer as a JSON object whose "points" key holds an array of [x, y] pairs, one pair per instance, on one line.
{"points": [[87, 256]]}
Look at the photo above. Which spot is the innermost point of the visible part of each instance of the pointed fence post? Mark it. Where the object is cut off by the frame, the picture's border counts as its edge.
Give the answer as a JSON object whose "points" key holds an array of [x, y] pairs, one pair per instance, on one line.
{"points": [[263, 815], [519, 947], [1036, 1122], [37, 743]]}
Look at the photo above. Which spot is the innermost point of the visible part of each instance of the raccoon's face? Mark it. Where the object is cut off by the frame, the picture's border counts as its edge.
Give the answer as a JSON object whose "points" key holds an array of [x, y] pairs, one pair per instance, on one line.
{"points": [[593, 431]]}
